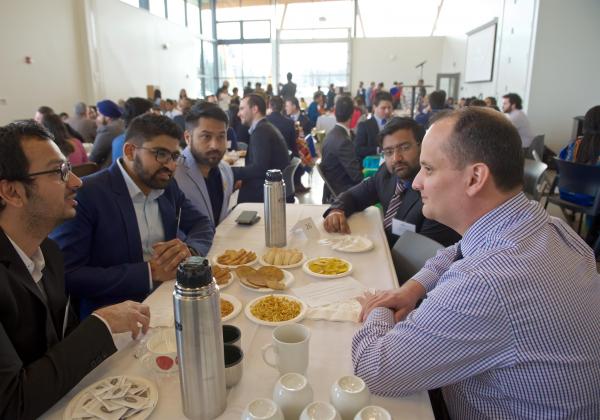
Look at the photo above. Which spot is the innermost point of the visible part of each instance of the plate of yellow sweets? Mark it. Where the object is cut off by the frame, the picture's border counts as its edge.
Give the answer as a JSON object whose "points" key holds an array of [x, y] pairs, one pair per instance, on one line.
{"points": [[327, 267], [283, 257]]}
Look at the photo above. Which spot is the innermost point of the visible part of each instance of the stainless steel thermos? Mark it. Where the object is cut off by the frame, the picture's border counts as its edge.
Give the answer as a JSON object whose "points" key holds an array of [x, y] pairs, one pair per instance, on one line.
{"points": [[275, 234], [196, 303]]}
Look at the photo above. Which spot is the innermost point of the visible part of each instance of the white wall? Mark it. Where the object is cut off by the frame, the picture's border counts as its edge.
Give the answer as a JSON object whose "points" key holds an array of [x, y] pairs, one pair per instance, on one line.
{"points": [[394, 59], [50, 33], [565, 79]]}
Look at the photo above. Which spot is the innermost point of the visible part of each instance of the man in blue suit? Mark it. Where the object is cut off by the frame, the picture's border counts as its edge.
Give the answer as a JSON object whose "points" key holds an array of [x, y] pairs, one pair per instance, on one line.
{"points": [[124, 239]]}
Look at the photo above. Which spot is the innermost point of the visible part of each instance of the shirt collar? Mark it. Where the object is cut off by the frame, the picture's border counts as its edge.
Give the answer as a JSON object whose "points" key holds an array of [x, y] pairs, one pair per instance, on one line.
{"points": [[379, 120], [34, 265], [133, 189], [344, 127], [254, 124], [295, 116]]}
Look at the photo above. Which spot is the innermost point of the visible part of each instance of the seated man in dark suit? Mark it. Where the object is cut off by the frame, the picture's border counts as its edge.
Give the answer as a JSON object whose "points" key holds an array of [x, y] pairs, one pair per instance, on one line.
{"points": [[125, 236], [44, 352], [366, 141], [400, 140], [339, 164], [284, 124], [267, 150], [292, 110]]}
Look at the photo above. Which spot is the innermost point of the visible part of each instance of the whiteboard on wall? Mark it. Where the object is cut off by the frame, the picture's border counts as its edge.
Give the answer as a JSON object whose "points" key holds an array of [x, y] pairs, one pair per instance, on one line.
{"points": [[481, 46]]}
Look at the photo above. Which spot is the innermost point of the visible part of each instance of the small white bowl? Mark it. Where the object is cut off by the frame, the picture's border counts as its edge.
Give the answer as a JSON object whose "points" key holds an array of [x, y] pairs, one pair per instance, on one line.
{"points": [[262, 409], [348, 395], [373, 412], [292, 393], [320, 410]]}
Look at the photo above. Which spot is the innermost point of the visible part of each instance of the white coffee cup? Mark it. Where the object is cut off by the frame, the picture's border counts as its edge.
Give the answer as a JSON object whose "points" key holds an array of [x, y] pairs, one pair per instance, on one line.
{"points": [[348, 395], [373, 412], [290, 345], [320, 410], [161, 351], [292, 393], [262, 409]]}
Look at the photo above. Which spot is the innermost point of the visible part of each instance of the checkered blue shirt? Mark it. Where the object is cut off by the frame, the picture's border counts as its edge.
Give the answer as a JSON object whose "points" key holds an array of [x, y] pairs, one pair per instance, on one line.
{"points": [[511, 331]]}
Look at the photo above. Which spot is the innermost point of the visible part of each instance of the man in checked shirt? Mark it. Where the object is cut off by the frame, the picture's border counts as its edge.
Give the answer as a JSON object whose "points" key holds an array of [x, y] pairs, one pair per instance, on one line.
{"points": [[509, 324]]}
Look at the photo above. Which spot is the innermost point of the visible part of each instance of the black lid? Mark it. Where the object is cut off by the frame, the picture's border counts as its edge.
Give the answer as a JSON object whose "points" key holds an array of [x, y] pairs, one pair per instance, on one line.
{"points": [[274, 175], [194, 272]]}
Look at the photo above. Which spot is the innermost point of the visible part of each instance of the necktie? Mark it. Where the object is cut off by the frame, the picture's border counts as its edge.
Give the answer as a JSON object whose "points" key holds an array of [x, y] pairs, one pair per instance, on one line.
{"points": [[393, 206], [383, 122]]}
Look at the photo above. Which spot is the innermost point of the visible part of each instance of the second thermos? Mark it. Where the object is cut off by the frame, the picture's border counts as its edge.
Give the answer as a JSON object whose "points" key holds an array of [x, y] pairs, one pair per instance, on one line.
{"points": [[275, 232]]}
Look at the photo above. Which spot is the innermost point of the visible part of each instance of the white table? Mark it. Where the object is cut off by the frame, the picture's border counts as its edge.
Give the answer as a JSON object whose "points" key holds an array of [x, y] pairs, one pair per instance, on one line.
{"points": [[330, 345]]}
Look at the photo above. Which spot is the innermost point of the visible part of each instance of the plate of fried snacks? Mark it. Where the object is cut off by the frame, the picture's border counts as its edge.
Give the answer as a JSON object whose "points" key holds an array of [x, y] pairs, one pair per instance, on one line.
{"points": [[327, 267], [282, 257], [233, 258], [274, 310], [230, 307], [117, 397], [266, 279], [223, 276]]}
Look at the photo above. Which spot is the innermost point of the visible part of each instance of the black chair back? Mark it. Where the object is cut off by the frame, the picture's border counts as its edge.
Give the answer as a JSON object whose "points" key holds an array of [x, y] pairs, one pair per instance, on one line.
{"points": [[532, 177], [578, 178]]}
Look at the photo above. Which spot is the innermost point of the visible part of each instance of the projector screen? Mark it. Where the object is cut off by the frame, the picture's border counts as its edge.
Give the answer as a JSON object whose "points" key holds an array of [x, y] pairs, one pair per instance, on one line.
{"points": [[481, 44]]}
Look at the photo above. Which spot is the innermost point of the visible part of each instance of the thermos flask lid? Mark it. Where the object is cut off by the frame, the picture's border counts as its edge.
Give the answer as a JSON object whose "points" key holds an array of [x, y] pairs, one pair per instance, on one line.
{"points": [[194, 272], [274, 175]]}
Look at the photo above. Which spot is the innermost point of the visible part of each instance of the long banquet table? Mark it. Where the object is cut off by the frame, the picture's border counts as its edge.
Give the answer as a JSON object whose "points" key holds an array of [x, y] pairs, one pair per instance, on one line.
{"points": [[330, 342]]}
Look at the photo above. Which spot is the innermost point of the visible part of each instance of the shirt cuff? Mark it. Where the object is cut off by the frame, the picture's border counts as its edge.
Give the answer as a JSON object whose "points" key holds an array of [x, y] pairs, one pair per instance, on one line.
{"points": [[427, 278], [103, 321], [384, 315]]}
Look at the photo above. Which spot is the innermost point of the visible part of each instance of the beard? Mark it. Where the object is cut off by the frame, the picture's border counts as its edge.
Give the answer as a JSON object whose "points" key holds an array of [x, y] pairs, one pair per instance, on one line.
{"points": [[210, 158], [151, 179], [405, 171]]}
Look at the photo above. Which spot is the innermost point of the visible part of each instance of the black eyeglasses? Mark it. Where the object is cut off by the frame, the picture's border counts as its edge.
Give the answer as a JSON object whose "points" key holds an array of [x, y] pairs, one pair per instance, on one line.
{"points": [[164, 156], [64, 170]]}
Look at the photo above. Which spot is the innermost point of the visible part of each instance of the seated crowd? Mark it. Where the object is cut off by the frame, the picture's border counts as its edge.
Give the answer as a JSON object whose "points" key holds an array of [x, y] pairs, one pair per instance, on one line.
{"points": [[499, 319]]}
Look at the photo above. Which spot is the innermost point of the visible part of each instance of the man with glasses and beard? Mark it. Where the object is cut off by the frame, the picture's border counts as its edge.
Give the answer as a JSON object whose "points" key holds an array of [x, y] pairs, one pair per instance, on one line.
{"points": [[206, 180], [124, 240], [400, 140]]}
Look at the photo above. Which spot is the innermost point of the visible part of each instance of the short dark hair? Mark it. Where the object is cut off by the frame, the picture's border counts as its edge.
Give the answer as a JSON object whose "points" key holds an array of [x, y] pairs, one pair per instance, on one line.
{"points": [[14, 165], [147, 126], [45, 110], [484, 135], [514, 99], [344, 108], [55, 125], [477, 102], [492, 100], [317, 94], [135, 107], [258, 101], [205, 110], [437, 99], [289, 76], [382, 96], [294, 101], [276, 104], [401, 123]]}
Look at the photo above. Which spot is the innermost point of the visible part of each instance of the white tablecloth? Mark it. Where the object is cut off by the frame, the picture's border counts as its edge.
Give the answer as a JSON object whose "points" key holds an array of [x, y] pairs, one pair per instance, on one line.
{"points": [[330, 343]]}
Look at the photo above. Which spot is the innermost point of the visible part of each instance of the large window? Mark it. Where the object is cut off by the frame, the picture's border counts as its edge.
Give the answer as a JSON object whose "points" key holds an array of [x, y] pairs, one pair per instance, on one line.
{"points": [[243, 63]]}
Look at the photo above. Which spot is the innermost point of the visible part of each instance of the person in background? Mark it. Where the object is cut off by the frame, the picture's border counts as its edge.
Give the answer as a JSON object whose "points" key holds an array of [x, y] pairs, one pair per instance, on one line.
{"points": [[303, 105], [109, 125], [507, 326], [288, 90], [316, 107], [491, 102], [134, 107], [366, 142], [185, 104], [478, 102], [64, 117], [157, 98], [171, 110], [45, 350], [69, 146], [361, 91], [82, 124], [330, 97], [248, 89], [437, 103], [292, 110], [46, 110], [182, 94], [368, 96], [512, 106], [269, 92], [235, 97]]}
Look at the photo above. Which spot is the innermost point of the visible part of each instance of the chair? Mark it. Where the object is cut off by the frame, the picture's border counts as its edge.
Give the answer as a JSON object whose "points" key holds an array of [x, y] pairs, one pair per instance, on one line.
{"points": [[537, 145], [327, 184], [579, 179], [288, 178], [410, 252], [85, 169], [534, 179], [242, 146]]}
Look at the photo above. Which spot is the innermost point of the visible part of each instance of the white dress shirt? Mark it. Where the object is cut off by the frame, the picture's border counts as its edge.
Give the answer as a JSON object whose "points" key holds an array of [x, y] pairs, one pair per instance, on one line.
{"points": [[521, 122]]}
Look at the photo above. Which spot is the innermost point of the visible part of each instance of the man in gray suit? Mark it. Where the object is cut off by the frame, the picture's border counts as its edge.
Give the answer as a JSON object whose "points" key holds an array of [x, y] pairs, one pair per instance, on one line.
{"points": [[339, 163], [204, 178]]}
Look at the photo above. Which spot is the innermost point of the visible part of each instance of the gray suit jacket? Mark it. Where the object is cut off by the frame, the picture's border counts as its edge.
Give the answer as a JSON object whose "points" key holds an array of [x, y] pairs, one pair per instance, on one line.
{"points": [[339, 162], [192, 183]]}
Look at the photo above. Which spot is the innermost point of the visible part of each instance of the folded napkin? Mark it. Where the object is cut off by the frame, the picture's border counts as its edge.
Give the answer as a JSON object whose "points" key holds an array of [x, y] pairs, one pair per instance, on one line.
{"points": [[348, 311]]}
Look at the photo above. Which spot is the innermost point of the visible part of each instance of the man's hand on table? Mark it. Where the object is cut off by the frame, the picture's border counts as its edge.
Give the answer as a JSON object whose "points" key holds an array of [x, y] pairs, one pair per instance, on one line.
{"points": [[167, 257], [401, 301], [126, 316], [237, 185], [336, 222]]}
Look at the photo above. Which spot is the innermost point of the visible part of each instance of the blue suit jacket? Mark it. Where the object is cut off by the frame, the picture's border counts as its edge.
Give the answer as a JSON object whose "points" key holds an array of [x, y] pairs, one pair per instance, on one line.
{"points": [[102, 245]]}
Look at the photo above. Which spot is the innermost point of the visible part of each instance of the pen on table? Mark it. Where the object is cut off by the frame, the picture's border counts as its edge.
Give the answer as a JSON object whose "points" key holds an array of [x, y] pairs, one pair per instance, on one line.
{"points": [[178, 220]]}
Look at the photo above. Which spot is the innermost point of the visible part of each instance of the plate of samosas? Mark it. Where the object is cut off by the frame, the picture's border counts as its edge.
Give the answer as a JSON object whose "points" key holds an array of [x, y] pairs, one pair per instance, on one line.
{"points": [[264, 280], [283, 258], [233, 258], [223, 276]]}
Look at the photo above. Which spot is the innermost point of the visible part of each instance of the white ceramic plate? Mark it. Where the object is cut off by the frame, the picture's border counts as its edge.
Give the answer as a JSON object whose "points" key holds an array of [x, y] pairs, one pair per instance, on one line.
{"points": [[353, 244], [144, 414], [288, 278], [234, 266], [326, 276], [247, 311], [237, 306], [298, 264], [229, 282]]}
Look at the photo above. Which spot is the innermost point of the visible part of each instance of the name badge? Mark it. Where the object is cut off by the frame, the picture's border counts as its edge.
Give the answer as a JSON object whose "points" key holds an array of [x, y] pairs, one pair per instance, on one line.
{"points": [[306, 227], [399, 227]]}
